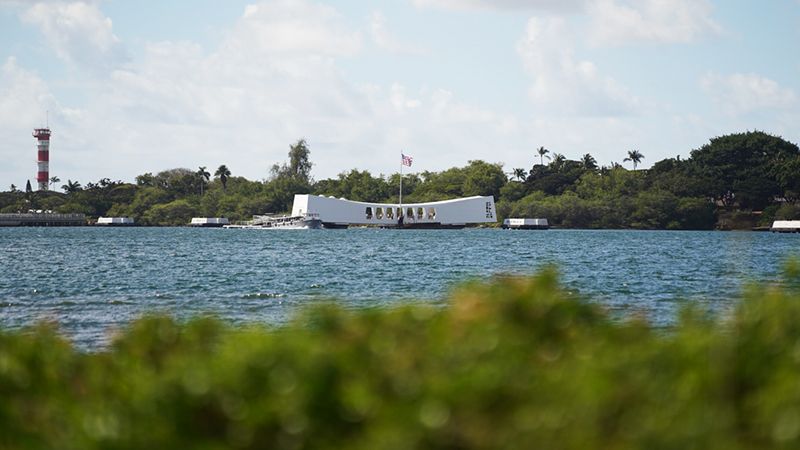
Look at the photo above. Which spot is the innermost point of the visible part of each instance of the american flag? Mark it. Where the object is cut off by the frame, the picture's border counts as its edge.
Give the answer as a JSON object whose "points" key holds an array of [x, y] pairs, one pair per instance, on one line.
{"points": [[407, 160]]}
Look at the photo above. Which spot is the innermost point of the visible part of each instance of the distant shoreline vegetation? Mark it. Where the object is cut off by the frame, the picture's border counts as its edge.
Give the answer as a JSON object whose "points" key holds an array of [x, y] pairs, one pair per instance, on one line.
{"points": [[737, 181]]}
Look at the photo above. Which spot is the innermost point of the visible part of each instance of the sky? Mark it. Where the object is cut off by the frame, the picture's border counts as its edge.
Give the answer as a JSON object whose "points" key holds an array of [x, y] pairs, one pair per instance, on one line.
{"points": [[130, 87]]}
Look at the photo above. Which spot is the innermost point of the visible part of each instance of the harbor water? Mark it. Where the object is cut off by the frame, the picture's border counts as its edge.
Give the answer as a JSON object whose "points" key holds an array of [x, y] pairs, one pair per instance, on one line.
{"points": [[93, 281]]}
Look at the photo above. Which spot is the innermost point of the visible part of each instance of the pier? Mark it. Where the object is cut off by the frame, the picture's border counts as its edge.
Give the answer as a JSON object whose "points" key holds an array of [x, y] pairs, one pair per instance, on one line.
{"points": [[42, 220], [786, 226]]}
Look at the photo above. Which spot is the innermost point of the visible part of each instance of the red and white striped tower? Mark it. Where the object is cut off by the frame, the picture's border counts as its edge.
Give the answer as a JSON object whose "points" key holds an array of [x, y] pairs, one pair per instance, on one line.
{"points": [[42, 136]]}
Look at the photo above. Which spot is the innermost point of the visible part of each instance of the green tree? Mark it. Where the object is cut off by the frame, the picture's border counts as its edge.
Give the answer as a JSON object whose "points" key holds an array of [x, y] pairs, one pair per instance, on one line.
{"points": [[53, 181], [520, 174], [788, 177], [223, 173], [71, 186], [482, 178], [299, 164], [178, 212], [145, 198], [542, 154], [557, 164], [290, 178], [677, 176], [203, 175], [178, 182], [556, 178], [299, 160], [588, 162], [635, 157], [745, 168], [359, 186], [512, 192], [28, 188], [146, 179], [440, 185]]}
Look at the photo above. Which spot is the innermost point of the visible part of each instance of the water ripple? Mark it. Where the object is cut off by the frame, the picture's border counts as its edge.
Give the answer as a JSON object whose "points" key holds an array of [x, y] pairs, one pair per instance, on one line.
{"points": [[94, 280]]}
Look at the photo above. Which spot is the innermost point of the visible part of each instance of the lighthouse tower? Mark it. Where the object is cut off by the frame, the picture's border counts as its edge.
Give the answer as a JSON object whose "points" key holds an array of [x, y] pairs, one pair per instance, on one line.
{"points": [[42, 136]]}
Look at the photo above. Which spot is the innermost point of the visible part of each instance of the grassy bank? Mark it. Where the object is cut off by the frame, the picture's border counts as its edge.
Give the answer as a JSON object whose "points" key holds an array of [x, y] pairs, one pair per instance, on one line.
{"points": [[513, 363]]}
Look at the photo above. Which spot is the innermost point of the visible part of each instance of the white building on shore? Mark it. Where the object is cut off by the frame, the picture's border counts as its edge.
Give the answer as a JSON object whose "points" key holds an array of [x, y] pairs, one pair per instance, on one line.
{"points": [[341, 213]]}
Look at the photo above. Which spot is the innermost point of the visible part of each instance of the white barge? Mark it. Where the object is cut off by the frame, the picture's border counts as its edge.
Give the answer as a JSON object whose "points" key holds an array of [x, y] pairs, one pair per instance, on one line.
{"points": [[341, 213], [526, 224], [209, 222], [115, 221], [786, 226]]}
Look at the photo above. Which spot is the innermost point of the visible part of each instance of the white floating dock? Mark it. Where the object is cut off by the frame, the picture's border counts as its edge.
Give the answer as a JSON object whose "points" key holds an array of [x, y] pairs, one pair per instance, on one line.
{"points": [[786, 226], [209, 222], [115, 221], [526, 224]]}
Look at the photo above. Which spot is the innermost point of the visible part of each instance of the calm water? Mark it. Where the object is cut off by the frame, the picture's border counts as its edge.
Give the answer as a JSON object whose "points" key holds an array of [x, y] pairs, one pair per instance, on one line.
{"points": [[93, 280]]}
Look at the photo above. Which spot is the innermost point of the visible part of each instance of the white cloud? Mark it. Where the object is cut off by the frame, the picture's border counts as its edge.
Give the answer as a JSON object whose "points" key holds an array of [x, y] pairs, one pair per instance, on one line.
{"points": [[561, 82], [276, 75], [289, 26], [24, 100], [384, 39], [262, 88], [24, 97], [551, 5], [744, 93], [242, 103], [670, 21], [78, 32]]}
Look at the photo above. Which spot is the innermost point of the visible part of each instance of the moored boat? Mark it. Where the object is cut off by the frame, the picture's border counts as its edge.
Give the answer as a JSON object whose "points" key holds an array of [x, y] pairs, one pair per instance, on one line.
{"points": [[297, 222]]}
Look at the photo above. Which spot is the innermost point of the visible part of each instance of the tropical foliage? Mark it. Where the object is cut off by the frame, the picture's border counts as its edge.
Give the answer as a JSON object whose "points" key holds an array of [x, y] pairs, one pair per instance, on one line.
{"points": [[635, 157], [514, 363], [223, 173]]}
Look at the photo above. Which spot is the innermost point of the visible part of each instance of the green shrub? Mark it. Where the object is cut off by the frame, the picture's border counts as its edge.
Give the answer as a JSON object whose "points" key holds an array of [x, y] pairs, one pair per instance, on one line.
{"points": [[513, 363]]}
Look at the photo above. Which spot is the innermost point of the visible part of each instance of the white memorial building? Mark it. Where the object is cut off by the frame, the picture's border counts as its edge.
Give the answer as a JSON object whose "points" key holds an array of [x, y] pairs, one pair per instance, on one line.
{"points": [[341, 213]]}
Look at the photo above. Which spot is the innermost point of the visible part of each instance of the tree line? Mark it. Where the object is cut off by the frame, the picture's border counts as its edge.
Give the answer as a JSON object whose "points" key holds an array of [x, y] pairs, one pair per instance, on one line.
{"points": [[733, 181]]}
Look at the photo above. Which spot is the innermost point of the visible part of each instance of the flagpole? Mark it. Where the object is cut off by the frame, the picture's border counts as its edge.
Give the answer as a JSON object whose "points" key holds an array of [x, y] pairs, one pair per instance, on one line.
{"points": [[401, 184]]}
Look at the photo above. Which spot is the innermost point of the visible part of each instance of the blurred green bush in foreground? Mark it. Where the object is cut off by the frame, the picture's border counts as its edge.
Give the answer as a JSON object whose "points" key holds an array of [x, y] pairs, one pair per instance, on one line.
{"points": [[514, 363]]}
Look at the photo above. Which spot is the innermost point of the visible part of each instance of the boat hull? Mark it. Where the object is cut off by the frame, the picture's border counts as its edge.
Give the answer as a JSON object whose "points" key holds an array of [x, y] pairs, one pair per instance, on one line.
{"points": [[283, 223]]}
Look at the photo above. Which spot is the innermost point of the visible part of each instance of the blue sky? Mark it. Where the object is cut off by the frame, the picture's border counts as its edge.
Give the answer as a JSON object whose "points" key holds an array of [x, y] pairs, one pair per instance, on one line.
{"points": [[134, 87]]}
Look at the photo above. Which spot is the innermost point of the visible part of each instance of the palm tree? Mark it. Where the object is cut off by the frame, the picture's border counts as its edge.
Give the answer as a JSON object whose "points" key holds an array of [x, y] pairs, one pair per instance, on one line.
{"points": [[542, 154], [635, 157], [558, 161], [71, 186], [588, 162], [223, 173], [53, 181], [204, 177], [519, 173]]}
